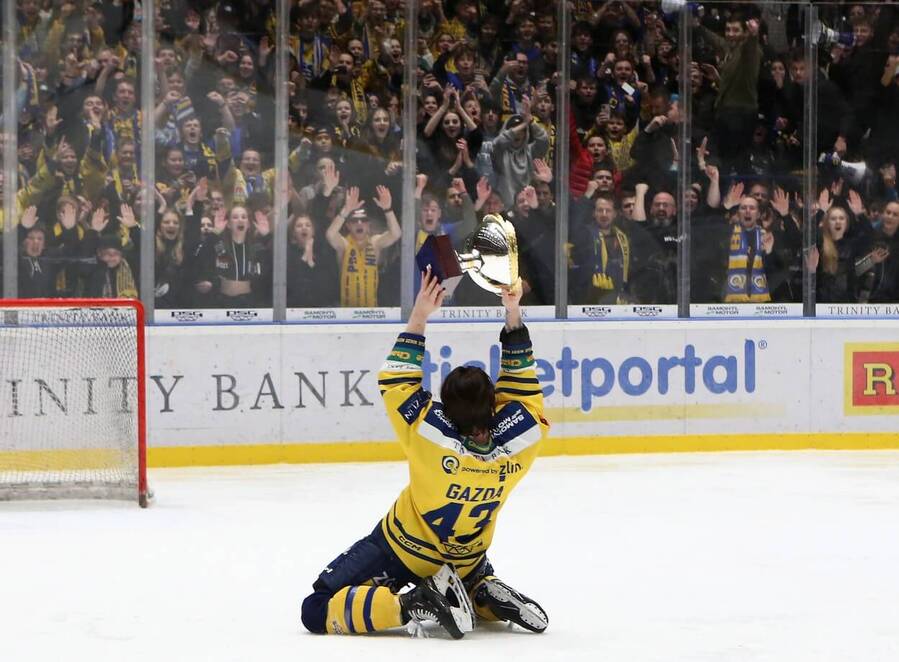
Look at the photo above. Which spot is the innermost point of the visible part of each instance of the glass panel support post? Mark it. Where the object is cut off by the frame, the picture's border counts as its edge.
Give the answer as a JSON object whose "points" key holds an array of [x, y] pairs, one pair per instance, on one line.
{"points": [[684, 162], [282, 154], [562, 159], [409, 103], [147, 84], [809, 157], [10, 153]]}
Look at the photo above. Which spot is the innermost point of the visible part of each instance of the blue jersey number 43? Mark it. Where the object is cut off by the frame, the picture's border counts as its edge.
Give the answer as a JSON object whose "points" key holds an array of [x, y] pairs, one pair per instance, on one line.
{"points": [[443, 520]]}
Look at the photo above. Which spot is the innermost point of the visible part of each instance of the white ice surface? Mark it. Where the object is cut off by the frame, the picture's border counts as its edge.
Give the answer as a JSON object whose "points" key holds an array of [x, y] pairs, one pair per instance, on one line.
{"points": [[718, 557]]}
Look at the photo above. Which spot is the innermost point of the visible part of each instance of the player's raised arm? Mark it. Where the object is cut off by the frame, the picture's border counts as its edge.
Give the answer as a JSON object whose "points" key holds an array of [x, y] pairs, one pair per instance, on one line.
{"points": [[517, 378], [512, 303], [400, 376]]}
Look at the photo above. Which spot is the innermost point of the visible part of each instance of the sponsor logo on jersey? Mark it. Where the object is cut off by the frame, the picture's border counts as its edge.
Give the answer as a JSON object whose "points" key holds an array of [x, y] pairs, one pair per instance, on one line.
{"points": [[508, 423], [438, 420], [507, 469], [871, 378], [405, 357], [459, 550], [512, 421], [383, 579], [477, 470], [405, 542], [413, 405], [450, 464]]}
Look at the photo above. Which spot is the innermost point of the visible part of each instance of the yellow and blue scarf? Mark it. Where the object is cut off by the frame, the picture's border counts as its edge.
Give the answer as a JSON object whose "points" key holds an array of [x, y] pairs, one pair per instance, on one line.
{"points": [[746, 279], [609, 274]]}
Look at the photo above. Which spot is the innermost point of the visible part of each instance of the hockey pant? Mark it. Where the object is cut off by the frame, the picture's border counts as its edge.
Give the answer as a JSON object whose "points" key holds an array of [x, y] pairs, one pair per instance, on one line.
{"points": [[357, 592]]}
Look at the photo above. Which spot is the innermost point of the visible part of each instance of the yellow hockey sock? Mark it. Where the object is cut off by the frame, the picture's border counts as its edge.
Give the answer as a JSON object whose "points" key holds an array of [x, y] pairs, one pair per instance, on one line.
{"points": [[361, 609]]}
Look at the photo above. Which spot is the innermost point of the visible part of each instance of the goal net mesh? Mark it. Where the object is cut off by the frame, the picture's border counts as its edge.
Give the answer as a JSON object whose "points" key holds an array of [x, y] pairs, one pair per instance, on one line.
{"points": [[69, 402]]}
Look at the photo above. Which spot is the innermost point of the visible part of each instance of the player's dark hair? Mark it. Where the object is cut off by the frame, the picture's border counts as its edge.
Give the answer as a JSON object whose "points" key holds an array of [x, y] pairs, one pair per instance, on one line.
{"points": [[468, 399]]}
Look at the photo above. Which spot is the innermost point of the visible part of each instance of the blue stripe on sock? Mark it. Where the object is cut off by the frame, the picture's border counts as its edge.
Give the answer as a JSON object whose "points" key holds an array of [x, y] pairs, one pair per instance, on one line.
{"points": [[348, 609], [366, 609]]}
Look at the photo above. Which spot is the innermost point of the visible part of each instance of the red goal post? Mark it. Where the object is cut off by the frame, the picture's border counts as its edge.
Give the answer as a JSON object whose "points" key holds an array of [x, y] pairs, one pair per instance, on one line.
{"points": [[73, 420]]}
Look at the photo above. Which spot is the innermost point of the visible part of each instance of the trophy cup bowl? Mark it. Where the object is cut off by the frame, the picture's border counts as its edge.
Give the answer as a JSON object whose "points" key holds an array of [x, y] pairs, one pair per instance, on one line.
{"points": [[490, 256]]}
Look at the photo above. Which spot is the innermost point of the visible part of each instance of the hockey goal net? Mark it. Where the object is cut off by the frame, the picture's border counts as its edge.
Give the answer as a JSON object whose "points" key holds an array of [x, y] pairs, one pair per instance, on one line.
{"points": [[72, 399]]}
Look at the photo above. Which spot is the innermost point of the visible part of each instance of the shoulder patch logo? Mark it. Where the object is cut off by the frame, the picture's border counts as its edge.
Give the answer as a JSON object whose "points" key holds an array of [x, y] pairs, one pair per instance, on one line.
{"points": [[413, 405], [436, 418], [510, 422], [450, 464]]}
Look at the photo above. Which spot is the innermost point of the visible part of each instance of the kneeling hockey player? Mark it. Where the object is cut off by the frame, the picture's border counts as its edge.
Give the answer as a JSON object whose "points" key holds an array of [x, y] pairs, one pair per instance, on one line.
{"points": [[466, 454]]}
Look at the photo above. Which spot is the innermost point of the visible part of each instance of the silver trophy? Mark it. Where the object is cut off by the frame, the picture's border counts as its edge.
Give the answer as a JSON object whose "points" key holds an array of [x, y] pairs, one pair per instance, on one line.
{"points": [[490, 256]]}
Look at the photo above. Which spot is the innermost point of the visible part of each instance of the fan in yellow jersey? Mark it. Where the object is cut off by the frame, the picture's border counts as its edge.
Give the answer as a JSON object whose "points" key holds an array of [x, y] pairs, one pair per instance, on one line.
{"points": [[359, 252], [466, 454]]}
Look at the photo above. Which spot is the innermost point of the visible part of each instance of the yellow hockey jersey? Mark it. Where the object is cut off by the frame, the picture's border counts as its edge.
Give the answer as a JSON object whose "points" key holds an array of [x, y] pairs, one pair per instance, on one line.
{"points": [[447, 513]]}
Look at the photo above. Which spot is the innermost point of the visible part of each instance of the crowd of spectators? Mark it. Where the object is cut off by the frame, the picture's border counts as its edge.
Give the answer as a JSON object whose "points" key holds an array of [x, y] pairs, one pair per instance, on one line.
{"points": [[747, 84], [487, 88], [73, 240], [857, 253], [80, 197]]}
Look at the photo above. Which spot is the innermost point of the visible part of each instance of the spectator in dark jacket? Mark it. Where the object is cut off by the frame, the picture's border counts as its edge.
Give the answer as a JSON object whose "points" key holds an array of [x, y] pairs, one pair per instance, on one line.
{"points": [[736, 108], [312, 273]]}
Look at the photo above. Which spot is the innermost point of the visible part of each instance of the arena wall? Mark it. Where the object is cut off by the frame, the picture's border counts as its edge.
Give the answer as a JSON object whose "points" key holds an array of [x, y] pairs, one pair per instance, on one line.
{"points": [[297, 393]]}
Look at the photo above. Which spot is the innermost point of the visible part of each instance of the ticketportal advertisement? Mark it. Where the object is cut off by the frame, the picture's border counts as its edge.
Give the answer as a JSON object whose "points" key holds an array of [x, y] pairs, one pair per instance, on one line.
{"points": [[296, 384]]}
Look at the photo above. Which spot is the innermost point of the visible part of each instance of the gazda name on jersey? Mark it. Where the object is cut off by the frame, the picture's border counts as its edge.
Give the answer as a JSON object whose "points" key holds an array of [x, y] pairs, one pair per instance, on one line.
{"points": [[473, 494]]}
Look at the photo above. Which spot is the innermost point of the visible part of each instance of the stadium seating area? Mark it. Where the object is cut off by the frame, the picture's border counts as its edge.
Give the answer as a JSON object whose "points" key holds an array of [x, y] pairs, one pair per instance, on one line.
{"points": [[489, 138]]}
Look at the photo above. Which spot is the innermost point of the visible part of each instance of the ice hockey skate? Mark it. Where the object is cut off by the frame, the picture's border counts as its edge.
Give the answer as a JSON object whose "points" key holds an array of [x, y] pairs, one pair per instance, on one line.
{"points": [[441, 598], [507, 604]]}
